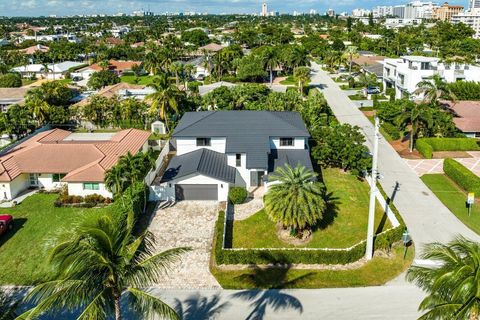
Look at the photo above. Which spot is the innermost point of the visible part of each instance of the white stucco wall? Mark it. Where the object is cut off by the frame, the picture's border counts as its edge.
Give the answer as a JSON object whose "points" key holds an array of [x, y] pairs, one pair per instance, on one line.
{"points": [[298, 143], [186, 145], [242, 178], [76, 189], [45, 180], [166, 191], [9, 190]]}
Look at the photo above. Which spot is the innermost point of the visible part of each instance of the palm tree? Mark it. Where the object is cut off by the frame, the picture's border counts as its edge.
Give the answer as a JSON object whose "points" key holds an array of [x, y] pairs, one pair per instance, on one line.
{"points": [[104, 64], [452, 285], [434, 89], [189, 70], [99, 262], [115, 179], [302, 75], [350, 52], [132, 167], [177, 69], [40, 109], [295, 199], [270, 60], [415, 115], [46, 69], [164, 99]]}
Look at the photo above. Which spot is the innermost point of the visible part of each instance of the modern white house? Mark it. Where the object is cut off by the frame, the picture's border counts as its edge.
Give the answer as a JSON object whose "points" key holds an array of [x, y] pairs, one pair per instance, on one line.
{"points": [[54, 71], [54, 158], [406, 72], [219, 149]]}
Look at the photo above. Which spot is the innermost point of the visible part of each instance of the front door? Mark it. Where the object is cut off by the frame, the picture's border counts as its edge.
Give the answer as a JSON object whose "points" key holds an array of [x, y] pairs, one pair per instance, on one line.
{"points": [[256, 178], [33, 179]]}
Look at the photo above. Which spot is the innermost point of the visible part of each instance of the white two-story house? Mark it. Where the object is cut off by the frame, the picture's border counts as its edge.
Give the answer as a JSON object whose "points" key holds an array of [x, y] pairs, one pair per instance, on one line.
{"points": [[406, 72], [220, 149]]}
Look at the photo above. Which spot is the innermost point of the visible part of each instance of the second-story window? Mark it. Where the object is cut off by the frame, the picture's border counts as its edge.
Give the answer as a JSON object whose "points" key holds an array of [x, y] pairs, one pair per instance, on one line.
{"points": [[238, 160], [286, 142], [204, 142], [425, 66]]}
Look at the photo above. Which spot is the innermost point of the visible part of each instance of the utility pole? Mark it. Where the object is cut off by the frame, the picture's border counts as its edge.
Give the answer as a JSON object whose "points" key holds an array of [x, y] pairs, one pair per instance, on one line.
{"points": [[373, 192]]}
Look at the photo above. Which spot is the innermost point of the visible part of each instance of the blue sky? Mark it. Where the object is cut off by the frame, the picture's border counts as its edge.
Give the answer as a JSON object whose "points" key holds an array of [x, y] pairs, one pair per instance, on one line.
{"points": [[68, 7]]}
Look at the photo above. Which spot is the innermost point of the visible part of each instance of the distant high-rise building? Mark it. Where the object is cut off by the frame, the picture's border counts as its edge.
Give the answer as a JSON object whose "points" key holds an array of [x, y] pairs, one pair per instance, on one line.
{"points": [[331, 12], [399, 11], [264, 9], [474, 4], [446, 11], [382, 11]]}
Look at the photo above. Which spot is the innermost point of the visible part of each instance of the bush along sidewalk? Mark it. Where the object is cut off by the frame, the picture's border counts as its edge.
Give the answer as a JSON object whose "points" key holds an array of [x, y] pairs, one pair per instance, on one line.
{"points": [[426, 146], [463, 177]]}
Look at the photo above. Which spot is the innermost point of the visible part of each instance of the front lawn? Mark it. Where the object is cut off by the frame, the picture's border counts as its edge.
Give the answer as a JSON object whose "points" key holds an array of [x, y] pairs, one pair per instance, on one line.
{"points": [[454, 198], [345, 220], [23, 251], [143, 80], [376, 272], [357, 96]]}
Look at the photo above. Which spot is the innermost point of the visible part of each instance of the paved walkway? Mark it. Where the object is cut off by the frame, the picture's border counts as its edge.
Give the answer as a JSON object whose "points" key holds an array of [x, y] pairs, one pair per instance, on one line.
{"points": [[425, 166], [428, 220], [187, 224]]}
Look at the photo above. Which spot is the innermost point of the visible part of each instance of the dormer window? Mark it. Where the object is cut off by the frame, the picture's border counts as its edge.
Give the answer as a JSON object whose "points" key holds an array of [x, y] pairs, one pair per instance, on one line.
{"points": [[204, 142], [286, 142]]}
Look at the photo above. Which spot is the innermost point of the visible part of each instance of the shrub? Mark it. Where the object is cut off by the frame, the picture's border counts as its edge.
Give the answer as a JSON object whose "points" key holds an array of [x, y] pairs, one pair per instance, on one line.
{"points": [[237, 195], [392, 130], [445, 144], [424, 148], [461, 175], [10, 80]]}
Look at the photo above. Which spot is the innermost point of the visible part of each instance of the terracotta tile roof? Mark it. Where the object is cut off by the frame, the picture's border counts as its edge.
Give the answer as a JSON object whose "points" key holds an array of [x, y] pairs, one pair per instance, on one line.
{"points": [[118, 66], [211, 47], [467, 114], [36, 48], [368, 60], [80, 160]]}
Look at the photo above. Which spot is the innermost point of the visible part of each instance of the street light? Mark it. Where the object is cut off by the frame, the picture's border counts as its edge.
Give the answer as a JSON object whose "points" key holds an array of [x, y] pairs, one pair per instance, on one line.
{"points": [[406, 241]]}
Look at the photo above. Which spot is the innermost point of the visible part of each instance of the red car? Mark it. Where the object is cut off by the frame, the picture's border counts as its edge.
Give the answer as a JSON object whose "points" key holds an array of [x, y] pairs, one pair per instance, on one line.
{"points": [[6, 223]]}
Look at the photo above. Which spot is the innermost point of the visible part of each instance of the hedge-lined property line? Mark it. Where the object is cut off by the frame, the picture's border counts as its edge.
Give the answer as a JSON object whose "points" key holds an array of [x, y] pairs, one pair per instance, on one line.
{"points": [[426, 146], [461, 175]]}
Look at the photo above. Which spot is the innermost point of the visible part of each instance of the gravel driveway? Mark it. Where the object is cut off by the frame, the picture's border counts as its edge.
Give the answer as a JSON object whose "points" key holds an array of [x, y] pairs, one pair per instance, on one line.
{"points": [[187, 224]]}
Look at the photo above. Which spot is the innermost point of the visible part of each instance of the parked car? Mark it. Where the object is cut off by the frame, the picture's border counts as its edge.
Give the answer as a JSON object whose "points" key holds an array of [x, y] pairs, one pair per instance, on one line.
{"points": [[6, 223], [373, 90]]}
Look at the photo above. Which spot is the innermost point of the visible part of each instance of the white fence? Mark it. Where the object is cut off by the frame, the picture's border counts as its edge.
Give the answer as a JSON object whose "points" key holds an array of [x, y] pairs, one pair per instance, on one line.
{"points": [[158, 164]]}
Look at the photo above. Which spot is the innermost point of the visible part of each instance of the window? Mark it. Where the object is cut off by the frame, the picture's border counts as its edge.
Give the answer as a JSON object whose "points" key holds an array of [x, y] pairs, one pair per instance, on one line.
{"points": [[56, 177], [91, 186], [238, 160], [203, 142], [286, 142]]}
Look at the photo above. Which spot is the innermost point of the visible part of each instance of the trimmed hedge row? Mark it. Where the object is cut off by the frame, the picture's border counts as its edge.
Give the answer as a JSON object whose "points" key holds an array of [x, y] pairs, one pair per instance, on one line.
{"points": [[294, 256], [445, 144], [461, 175]]}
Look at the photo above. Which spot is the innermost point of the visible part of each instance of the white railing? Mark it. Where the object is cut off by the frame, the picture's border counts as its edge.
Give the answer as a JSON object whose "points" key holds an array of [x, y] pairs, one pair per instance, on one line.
{"points": [[158, 164]]}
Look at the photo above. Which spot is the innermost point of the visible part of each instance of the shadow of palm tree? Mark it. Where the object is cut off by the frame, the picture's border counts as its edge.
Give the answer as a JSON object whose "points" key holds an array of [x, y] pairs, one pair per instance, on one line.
{"points": [[274, 279], [196, 307], [331, 211]]}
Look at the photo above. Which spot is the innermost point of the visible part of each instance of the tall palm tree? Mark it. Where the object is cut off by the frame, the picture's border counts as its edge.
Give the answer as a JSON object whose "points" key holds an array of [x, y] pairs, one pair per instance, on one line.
{"points": [[164, 99], [350, 52], [115, 179], [434, 89], [452, 286], [132, 166], [302, 76], [270, 60], [40, 109], [415, 115], [295, 199], [99, 262], [189, 70], [177, 69]]}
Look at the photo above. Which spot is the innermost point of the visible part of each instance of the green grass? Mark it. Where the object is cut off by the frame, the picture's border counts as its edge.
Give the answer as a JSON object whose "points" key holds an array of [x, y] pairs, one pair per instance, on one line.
{"points": [[375, 272], [454, 198], [26, 82], [23, 251], [289, 81], [357, 96], [345, 222], [143, 80]]}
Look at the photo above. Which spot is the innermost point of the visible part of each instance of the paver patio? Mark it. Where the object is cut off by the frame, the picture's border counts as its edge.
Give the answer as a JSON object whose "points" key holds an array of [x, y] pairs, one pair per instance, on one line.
{"points": [[187, 224], [426, 166]]}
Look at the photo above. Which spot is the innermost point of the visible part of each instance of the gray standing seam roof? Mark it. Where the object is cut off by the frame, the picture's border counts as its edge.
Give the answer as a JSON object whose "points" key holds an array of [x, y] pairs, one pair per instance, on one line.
{"points": [[292, 157], [246, 132], [207, 162]]}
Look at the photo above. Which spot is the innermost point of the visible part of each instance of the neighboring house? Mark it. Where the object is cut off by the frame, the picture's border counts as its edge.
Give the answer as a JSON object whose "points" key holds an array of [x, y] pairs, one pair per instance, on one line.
{"points": [[406, 72], [122, 89], [57, 157], [203, 90], [117, 67], [202, 69], [219, 149], [34, 49], [370, 63], [10, 96], [55, 71], [3, 42], [466, 116]]}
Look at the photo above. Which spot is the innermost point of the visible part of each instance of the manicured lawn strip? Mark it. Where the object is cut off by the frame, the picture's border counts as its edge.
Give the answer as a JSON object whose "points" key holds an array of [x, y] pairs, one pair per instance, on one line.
{"points": [[143, 80], [454, 198], [346, 218], [23, 251], [357, 96], [376, 272], [26, 82]]}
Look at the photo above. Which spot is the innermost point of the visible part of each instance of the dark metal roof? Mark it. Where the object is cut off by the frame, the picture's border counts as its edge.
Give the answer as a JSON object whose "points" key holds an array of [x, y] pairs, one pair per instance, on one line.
{"points": [[292, 157], [203, 161], [246, 132], [376, 69]]}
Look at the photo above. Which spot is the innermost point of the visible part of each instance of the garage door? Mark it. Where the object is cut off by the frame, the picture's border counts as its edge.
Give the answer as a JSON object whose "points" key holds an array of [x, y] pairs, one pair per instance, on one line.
{"points": [[196, 192]]}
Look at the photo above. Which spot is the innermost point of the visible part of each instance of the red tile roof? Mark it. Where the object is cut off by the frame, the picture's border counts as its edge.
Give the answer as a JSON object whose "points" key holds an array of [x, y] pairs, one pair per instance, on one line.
{"points": [[467, 114], [80, 160]]}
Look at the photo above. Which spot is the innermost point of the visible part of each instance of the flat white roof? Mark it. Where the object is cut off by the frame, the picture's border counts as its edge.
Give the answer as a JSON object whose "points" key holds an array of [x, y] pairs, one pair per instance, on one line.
{"points": [[90, 136], [420, 58]]}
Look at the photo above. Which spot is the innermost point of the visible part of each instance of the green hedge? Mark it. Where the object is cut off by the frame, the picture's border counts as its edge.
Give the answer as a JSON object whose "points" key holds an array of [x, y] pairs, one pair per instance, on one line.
{"points": [[461, 175], [262, 256], [237, 195], [445, 144], [133, 199], [392, 130], [424, 148]]}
